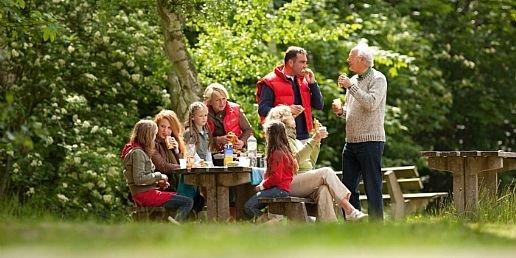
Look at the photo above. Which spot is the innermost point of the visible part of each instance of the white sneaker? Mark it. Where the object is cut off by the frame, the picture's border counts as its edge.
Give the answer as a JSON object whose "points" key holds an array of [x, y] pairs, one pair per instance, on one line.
{"points": [[173, 221], [356, 215]]}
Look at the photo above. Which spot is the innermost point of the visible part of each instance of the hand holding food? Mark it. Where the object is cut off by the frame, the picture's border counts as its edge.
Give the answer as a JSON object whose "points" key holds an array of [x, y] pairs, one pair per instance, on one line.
{"points": [[344, 81], [296, 110], [308, 74]]}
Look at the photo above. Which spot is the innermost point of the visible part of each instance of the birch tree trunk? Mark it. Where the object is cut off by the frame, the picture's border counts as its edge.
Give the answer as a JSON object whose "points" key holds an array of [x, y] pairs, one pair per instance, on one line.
{"points": [[183, 83]]}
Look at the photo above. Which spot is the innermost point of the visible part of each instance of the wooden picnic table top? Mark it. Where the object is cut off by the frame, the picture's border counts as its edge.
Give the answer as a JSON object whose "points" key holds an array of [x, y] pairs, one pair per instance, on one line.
{"points": [[502, 154], [214, 170]]}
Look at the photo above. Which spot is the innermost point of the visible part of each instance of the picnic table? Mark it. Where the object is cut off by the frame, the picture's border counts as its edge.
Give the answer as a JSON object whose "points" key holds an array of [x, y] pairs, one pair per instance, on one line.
{"points": [[217, 181], [471, 168]]}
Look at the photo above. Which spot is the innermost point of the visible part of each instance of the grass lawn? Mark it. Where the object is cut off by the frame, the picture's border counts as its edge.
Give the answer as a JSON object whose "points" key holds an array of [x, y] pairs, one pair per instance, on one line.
{"points": [[423, 237]]}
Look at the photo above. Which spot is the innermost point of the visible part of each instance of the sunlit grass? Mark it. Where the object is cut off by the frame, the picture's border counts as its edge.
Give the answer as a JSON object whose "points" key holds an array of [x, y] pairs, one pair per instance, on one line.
{"points": [[28, 231], [210, 239]]}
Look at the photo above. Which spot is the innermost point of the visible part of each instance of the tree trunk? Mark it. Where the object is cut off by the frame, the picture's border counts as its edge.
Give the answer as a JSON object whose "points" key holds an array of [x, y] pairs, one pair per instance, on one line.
{"points": [[184, 87], [4, 177]]}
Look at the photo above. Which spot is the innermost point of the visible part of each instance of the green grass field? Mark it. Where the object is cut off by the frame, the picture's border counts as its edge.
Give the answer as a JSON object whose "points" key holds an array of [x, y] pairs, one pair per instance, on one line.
{"points": [[420, 237], [30, 230]]}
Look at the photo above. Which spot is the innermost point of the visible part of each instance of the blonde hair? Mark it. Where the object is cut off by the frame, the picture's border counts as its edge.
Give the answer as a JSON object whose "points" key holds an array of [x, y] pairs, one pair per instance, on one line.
{"points": [[144, 133], [177, 128], [194, 107], [278, 113], [208, 93]]}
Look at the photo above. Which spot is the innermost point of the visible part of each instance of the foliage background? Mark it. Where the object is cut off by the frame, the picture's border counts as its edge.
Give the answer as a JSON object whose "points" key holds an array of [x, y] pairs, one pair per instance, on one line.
{"points": [[76, 75]]}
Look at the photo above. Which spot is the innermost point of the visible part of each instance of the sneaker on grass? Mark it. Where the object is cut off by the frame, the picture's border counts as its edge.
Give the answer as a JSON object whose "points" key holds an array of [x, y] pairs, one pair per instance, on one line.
{"points": [[355, 215], [173, 221]]}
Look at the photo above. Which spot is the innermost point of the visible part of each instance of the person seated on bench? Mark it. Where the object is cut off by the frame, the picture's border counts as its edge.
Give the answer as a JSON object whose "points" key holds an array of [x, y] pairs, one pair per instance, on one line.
{"points": [[140, 176], [169, 148], [321, 184], [281, 166]]}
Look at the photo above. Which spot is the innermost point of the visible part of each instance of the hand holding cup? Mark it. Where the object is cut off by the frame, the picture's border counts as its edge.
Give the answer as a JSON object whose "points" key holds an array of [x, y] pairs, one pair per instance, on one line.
{"points": [[336, 106], [171, 142], [321, 133]]}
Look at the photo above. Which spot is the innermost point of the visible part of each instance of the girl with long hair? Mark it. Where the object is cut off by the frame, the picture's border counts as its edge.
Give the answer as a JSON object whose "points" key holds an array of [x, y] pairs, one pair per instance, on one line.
{"points": [[170, 147], [140, 175], [196, 129], [281, 166], [320, 184]]}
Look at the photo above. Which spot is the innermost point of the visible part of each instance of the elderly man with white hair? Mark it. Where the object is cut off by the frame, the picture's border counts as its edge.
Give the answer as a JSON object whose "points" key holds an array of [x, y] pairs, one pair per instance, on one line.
{"points": [[364, 111]]}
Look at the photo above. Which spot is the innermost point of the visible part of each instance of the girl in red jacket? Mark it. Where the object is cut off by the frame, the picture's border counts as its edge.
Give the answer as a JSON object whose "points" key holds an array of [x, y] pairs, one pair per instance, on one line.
{"points": [[281, 166]]}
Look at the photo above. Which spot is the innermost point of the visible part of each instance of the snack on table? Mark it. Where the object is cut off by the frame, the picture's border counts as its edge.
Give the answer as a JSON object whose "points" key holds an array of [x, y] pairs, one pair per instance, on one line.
{"points": [[232, 164], [201, 163]]}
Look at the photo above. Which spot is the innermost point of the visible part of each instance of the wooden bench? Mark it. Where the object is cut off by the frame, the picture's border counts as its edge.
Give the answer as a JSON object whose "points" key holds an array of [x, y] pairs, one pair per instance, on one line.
{"points": [[402, 188], [294, 208], [149, 213]]}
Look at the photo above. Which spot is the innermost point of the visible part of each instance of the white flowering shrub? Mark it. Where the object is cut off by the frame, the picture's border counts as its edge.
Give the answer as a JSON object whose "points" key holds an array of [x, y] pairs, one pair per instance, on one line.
{"points": [[67, 107]]}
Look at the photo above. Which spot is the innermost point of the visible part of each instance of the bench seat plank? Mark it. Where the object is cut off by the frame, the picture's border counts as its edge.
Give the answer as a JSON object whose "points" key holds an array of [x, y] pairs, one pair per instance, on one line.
{"points": [[294, 208], [285, 199], [407, 184], [409, 196]]}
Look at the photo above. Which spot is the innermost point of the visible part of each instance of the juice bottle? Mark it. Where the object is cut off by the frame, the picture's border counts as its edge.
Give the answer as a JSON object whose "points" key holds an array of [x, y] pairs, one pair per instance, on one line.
{"points": [[228, 153]]}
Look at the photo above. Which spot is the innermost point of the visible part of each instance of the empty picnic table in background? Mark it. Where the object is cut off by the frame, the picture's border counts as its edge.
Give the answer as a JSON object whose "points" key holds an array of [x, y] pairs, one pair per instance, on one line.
{"points": [[217, 181], [471, 169]]}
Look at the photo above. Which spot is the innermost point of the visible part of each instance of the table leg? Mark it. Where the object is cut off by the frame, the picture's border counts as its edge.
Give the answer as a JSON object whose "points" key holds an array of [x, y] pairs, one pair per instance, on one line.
{"points": [[486, 167], [456, 166], [211, 198], [471, 183], [223, 203], [243, 193], [488, 184]]}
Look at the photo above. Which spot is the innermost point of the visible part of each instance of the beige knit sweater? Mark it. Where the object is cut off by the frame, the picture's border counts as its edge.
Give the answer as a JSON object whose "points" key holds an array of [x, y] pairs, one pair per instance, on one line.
{"points": [[364, 109]]}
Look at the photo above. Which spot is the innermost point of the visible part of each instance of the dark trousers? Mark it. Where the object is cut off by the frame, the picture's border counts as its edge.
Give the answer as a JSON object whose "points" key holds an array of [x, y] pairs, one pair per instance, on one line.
{"points": [[364, 160], [183, 205], [253, 207]]}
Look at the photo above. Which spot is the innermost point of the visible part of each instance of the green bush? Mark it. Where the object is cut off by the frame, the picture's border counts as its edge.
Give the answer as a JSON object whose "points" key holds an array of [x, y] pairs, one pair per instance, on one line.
{"points": [[72, 102]]}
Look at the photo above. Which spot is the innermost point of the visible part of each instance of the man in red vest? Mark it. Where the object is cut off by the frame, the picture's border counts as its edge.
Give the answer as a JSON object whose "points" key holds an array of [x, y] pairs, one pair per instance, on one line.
{"points": [[294, 85]]}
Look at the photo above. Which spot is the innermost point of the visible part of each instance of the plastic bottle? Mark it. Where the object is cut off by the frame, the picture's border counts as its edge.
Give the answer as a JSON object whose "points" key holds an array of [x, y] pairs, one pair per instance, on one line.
{"points": [[190, 156], [228, 153], [252, 149]]}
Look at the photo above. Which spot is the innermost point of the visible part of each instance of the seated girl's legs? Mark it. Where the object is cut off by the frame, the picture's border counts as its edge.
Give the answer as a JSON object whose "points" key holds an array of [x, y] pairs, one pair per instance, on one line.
{"points": [[183, 205], [253, 207], [307, 183], [338, 190], [324, 200]]}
